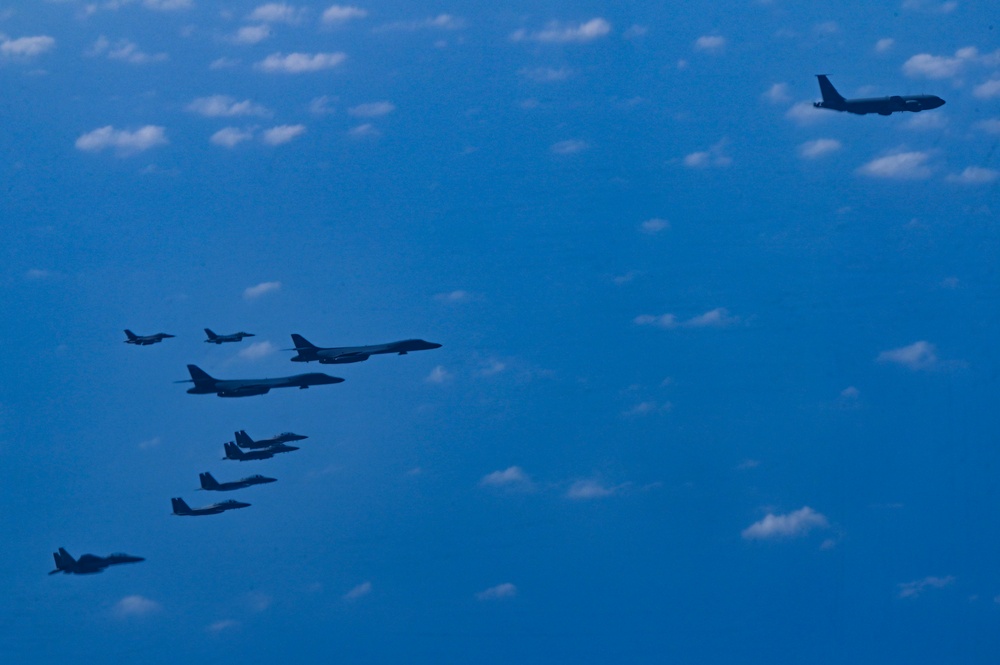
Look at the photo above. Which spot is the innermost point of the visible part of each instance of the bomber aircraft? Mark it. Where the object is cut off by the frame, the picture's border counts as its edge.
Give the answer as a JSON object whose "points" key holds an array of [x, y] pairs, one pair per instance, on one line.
{"points": [[206, 385], [338, 355], [234, 453], [881, 105], [145, 340], [243, 439], [88, 564], [181, 508], [219, 339], [208, 482]]}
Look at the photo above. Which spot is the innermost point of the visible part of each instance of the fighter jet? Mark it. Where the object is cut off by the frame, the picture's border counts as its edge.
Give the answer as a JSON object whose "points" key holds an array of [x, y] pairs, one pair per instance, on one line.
{"points": [[206, 385], [338, 355], [208, 482], [234, 453], [243, 439], [181, 508], [881, 105], [88, 564], [145, 340], [219, 339]]}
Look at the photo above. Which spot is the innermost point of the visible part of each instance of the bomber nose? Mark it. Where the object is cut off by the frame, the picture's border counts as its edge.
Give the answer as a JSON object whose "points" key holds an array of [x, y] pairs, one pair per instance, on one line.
{"points": [[938, 102]]}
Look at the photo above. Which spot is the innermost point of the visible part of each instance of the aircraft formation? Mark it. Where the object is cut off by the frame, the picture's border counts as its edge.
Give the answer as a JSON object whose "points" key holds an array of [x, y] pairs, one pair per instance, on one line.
{"points": [[243, 448]]}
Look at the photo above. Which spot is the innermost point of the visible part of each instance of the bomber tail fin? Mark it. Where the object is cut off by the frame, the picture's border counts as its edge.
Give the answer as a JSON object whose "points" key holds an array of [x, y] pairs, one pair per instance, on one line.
{"points": [[200, 376], [211, 335], [130, 334], [208, 481], [302, 344], [830, 94], [180, 507]]}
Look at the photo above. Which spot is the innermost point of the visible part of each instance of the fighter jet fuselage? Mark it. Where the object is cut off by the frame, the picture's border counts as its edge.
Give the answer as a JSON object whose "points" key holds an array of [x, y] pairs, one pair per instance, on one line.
{"points": [[207, 385], [219, 339], [208, 482], [181, 508], [881, 105], [307, 352], [243, 439], [88, 564], [234, 453], [145, 340]]}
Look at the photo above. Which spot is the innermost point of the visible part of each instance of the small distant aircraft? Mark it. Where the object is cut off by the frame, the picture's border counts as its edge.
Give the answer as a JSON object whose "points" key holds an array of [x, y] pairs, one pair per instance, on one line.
{"points": [[181, 508], [206, 385], [145, 340], [88, 564], [881, 105], [234, 453], [208, 482], [307, 352], [243, 439], [219, 339]]}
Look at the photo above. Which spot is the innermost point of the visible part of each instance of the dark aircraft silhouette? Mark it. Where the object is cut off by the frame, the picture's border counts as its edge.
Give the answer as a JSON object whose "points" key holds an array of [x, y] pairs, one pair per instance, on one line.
{"points": [[208, 482], [234, 453], [881, 105], [206, 385], [219, 339], [145, 340], [181, 508], [339, 355], [88, 564], [243, 439]]}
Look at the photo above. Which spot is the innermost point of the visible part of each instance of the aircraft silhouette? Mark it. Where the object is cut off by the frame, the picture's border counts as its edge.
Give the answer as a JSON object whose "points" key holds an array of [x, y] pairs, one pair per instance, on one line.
{"points": [[307, 352], [881, 105], [145, 340], [88, 564], [206, 385], [219, 339]]}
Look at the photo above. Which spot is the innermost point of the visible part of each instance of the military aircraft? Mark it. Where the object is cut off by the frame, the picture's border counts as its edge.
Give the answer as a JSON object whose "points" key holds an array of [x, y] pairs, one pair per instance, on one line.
{"points": [[219, 339], [206, 385], [234, 453], [881, 105], [243, 439], [145, 340], [181, 508], [208, 482], [88, 564], [307, 352]]}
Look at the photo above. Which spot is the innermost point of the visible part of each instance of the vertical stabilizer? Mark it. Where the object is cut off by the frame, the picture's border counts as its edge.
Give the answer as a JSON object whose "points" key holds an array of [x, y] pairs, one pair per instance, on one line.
{"points": [[208, 482], [211, 335], [243, 439], [130, 334], [180, 507], [830, 95], [301, 343]]}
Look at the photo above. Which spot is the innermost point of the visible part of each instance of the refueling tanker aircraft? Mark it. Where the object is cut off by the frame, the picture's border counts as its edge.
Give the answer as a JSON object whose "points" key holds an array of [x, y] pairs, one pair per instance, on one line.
{"points": [[881, 105]]}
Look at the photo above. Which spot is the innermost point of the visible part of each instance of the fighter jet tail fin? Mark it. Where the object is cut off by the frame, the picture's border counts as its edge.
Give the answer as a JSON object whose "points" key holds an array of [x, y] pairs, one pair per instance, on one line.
{"points": [[63, 560], [243, 439], [130, 334], [180, 507], [301, 342], [208, 481], [232, 451], [830, 94]]}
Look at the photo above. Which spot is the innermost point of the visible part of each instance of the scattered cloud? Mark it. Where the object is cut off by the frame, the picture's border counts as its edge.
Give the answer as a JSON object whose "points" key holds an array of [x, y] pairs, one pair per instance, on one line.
{"points": [[987, 90], [826, 28], [254, 292], [714, 318], [125, 51], [974, 175], [492, 368], [512, 477], [565, 33], [804, 113], [37, 274], [654, 226], [582, 490], [748, 464], [135, 606], [569, 147], [150, 443], [713, 44], [282, 134], [276, 12], [649, 407], [223, 625], [439, 375], [230, 137], [937, 67], [930, 6], [122, 141], [359, 591], [899, 166], [498, 592], [322, 105], [927, 121], [917, 587], [26, 47], [818, 148], [167, 5], [223, 63], [298, 63], [884, 45], [545, 74], [337, 14], [439, 22], [365, 131], [257, 350], [950, 283], [455, 297], [372, 109], [918, 356], [714, 157], [789, 525], [990, 126], [252, 34], [224, 106], [850, 392], [778, 94]]}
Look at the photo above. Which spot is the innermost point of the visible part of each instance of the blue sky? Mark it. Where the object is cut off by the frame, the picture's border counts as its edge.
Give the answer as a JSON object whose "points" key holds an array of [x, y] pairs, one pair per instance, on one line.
{"points": [[719, 371]]}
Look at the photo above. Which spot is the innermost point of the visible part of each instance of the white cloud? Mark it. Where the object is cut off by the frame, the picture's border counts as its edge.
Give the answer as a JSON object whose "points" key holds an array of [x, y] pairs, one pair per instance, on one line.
{"points": [[135, 606], [710, 44], [818, 148], [365, 131], [987, 90], [804, 113], [797, 523], [927, 121], [582, 490], [224, 106], [168, 5], [439, 22], [252, 34], [438, 375], [778, 94], [492, 368], [826, 28], [569, 147], [714, 157], [898, 166], [921, 355], [850, 392], [455, 297], [565, 33], [276, 12], [372, 109], [884, 44], [26, 47], [121, 140], [498, 592], [297, 63], [359, 591], [223, 63], [150, 443], [930, 6], [257, 350], [545, 74], [342, 14], [282, 134], [511, 477], [36, 274], [321, 105], [229, 137], [974, 175], [915, 588], [990, 126], [936, 67], [649, 407], [654, 226], [125, 51], [254, 292], [714, 318], [224, 624]]}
